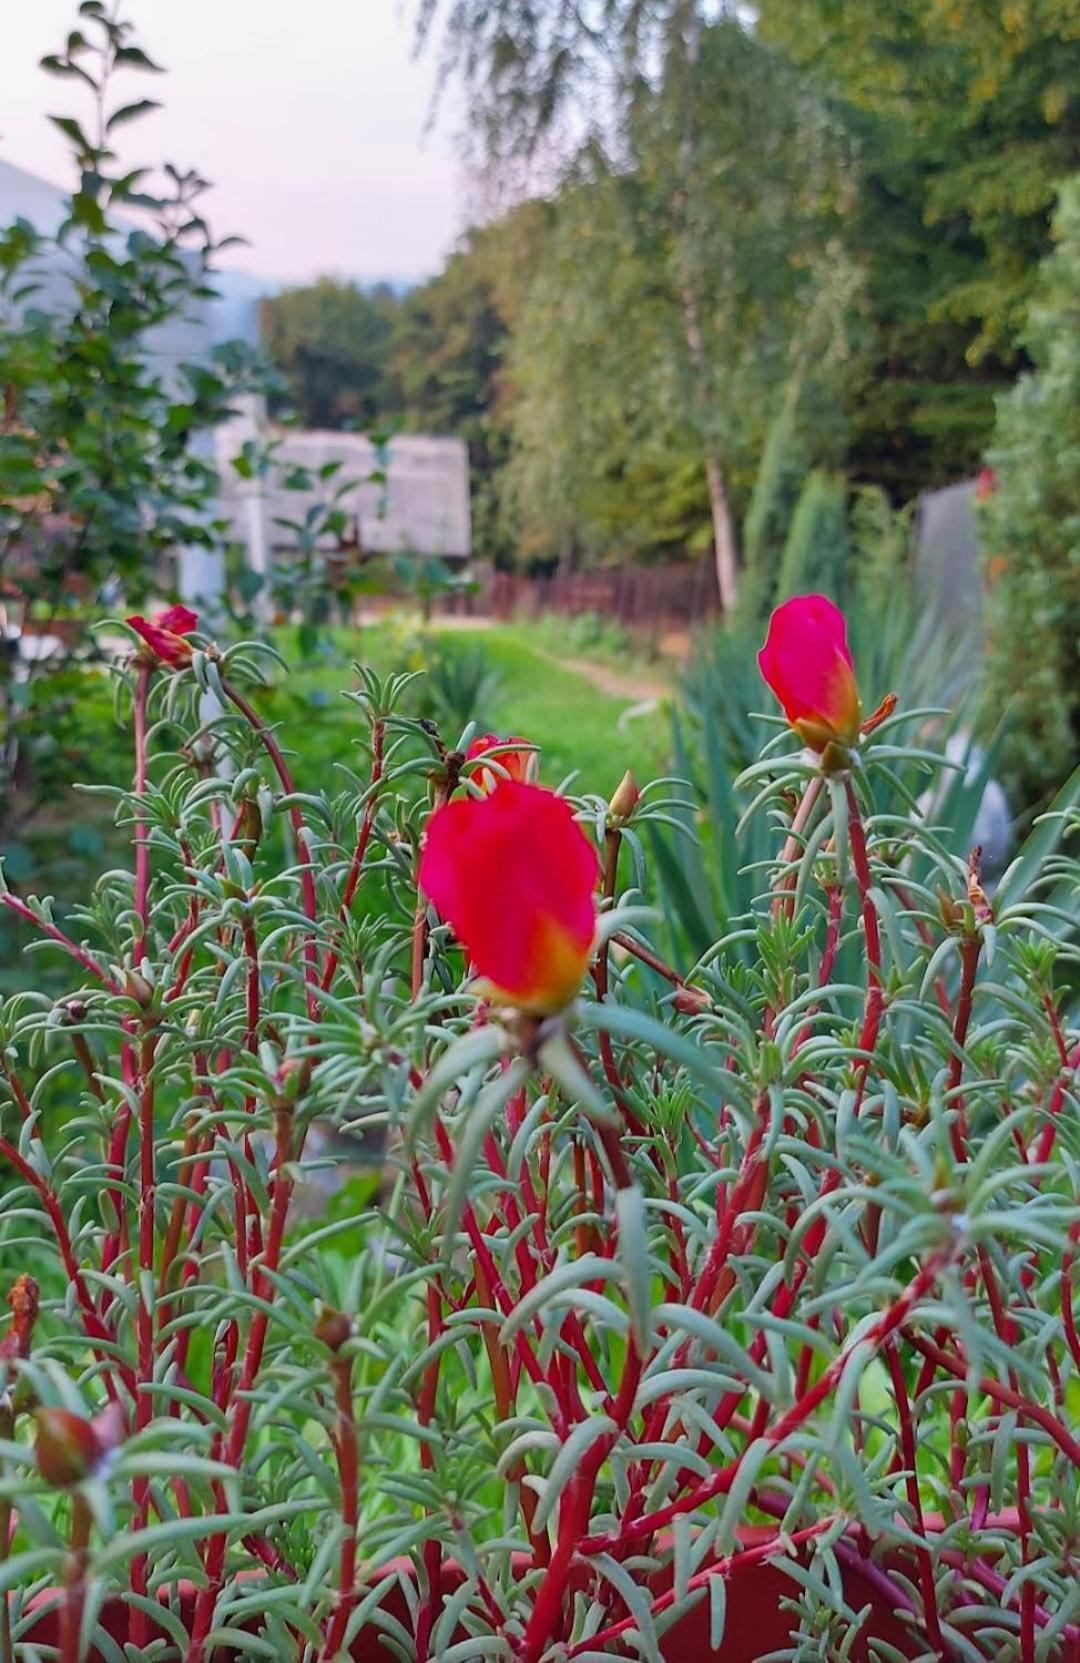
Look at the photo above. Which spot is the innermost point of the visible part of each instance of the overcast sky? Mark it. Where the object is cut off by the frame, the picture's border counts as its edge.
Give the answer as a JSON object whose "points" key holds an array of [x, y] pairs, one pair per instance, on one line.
{"points": [[309, 117]]}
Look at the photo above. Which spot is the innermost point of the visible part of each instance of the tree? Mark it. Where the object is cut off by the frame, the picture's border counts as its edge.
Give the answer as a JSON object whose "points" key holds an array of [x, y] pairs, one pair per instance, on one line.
{"points": [[98, 477], [1031, 531], [966, 116], [446, 361], [818, 546], [728, 160], [332, 344], [661, 326]]}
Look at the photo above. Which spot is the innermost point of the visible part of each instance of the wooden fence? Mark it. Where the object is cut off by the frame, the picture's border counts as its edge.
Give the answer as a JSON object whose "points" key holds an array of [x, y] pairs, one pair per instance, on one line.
{"points": [[645, 597]]}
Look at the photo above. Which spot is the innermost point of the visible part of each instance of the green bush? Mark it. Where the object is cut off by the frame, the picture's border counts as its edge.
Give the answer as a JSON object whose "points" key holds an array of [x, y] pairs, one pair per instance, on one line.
{"points": [[777, 486], [818, 547], [1031, 532]]}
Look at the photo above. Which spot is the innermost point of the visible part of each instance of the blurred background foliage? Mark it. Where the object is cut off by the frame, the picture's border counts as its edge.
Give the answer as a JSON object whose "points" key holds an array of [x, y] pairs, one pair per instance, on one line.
{"points": [[755, 285]]}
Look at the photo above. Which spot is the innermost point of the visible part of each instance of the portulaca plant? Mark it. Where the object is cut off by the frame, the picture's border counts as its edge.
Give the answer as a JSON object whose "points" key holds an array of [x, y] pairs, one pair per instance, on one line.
{"points": [[722, 1309]]}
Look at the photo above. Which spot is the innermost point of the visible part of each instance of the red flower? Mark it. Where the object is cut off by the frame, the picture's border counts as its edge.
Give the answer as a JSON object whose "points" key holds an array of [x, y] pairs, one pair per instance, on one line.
{"points": [[806, 662], [986, 485], [517, 764], [166, 634], [515, 876]]}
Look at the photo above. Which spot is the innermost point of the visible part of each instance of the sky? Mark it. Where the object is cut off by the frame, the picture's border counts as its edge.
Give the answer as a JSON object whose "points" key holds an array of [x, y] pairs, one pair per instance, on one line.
{"points": [[310, 118]]}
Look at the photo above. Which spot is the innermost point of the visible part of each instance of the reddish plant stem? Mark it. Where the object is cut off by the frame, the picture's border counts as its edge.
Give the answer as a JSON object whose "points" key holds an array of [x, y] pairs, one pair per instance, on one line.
{"points": [[142, 835], [243, 1401], [356, 865], [938, 1358], [875, 997], [784, 888], [1045, 1145], [908, 1447], [18, 1091], [503, 1298], [96, 1332], [969, 964], [638, 950], [144, 1402], [722, 1567], [601, 972], [574, 1512], [79, 954], [307, 875], [707, 1490], [75, 1580], [425, 1413], [347, 1451], [1068, 1315]]}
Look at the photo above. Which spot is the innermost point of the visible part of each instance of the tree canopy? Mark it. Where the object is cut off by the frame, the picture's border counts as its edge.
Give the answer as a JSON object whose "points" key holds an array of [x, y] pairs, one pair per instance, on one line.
{"points": [[741, 250]]}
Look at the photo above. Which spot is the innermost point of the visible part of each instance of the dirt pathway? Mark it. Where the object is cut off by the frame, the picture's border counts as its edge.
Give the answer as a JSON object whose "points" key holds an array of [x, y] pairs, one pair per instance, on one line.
{"points": [[635, 687], [616, 683]]}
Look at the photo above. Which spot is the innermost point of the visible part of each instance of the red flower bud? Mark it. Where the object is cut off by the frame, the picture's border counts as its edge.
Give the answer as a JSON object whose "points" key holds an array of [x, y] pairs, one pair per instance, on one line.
{"points": [[165, 634], [70, 1448], [515, 876], [806, 662], [516, 764], [626, 798]]}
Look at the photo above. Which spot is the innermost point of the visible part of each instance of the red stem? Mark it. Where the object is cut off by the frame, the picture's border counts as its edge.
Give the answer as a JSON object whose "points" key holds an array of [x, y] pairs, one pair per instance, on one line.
{"points": [[142, 842], [347, 1451]]}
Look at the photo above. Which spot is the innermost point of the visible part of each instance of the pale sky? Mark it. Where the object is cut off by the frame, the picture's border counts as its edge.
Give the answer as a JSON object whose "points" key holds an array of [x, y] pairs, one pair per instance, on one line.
{"points": [[309, 116]]}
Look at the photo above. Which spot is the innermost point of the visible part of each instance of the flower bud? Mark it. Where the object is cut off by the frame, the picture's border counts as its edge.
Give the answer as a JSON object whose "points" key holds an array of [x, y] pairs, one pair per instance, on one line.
{"points": [[626, 798], [807, 663], [333, 1328], [515, 877], [68, 1448], [138, 988], [691, 1001]]}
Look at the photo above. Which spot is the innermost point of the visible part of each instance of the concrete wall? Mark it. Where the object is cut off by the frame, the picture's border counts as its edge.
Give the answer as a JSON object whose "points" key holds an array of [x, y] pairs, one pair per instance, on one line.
{"points": [[421, 508]]}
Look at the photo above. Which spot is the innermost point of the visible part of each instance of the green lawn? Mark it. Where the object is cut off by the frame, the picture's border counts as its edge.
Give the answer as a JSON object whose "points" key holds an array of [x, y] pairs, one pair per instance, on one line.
{"points": [[578, 726], [581, 729]]}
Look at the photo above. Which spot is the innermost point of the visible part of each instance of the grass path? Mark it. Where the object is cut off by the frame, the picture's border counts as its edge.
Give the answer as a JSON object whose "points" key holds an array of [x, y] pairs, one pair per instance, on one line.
{"points": [[585, 717]]}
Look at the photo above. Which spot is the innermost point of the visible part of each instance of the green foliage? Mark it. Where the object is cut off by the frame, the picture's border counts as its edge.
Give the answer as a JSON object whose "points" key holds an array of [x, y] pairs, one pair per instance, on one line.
{"points": [[777, 486], [881, 553], [98, 478], [459, 684], [966, 119], [957, 121], [613, 427], [1031, 531], [776, 1237], [708, 876], [332, 343], [818, 547], [447, 359]]}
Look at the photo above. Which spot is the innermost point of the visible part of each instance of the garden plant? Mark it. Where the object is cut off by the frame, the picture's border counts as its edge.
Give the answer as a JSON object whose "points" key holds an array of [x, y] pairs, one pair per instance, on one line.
{"points": [[723, 1308]]}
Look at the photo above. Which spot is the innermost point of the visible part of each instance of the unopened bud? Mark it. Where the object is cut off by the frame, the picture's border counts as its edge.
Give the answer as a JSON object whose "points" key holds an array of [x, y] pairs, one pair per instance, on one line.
{"points": [[138, 988], [69, 1011], [626, 798], [68, 1448], [290, 1078], [691, 1001], [333, 1328], [951, 912], [247, 828]]}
